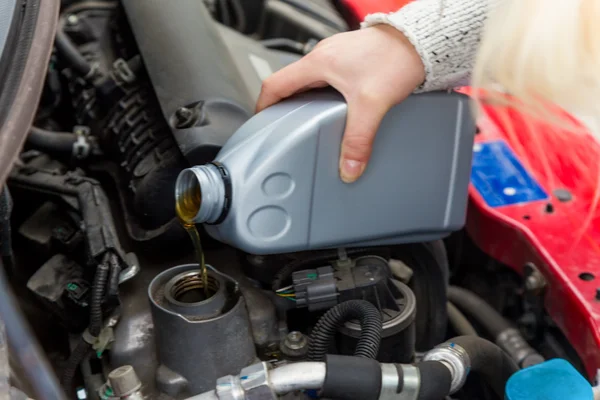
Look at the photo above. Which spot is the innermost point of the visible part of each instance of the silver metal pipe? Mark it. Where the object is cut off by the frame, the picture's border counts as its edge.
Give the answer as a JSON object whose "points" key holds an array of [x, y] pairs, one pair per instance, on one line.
{"points": [[297, 376]]}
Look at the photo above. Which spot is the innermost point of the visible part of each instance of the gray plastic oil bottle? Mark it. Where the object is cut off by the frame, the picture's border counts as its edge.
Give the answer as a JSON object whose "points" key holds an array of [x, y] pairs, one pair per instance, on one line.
{"points": [[275, 187]]}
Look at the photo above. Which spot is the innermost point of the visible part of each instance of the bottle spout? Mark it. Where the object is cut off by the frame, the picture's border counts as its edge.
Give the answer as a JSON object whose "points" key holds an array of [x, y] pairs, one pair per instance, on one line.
{"points": [[200, 195]]}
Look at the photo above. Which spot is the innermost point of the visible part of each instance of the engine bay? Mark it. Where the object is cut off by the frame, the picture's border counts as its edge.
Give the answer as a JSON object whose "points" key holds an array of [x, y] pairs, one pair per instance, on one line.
{"points": [[135, 92]]}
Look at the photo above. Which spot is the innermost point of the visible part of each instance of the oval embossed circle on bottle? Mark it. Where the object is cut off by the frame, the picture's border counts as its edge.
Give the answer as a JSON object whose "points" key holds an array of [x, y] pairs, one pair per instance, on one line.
{"points": [[269, 222], [278, 185]]}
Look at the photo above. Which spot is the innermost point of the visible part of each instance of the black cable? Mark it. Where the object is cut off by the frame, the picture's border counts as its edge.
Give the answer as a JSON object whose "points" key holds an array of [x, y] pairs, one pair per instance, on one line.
{"points": [[97, 297], [325, 330], [78, 354], [95, 325], [51, 142], [480, 310], [25, 347], [297, 265], [459, 322], [489, 361]]}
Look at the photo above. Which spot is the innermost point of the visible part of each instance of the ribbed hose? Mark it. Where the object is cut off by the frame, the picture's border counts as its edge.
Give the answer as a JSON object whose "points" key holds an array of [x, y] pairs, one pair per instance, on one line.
{"points": [[77, 355], [95, 326], [98, 290], [297, 265], [324, 332]]}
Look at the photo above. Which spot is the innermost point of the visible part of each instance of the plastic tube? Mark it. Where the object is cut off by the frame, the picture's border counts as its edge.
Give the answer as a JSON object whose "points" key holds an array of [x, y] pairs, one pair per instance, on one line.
{"points": [[25, 346]]}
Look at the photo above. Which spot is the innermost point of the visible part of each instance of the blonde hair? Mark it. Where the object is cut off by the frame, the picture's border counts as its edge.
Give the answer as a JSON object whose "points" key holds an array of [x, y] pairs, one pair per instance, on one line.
{"points": [[543, 53], [540, 57]]}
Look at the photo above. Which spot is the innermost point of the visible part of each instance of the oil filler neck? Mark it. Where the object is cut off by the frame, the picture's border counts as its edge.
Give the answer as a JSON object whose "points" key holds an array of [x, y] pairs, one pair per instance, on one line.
{"points": [[204, 193]]}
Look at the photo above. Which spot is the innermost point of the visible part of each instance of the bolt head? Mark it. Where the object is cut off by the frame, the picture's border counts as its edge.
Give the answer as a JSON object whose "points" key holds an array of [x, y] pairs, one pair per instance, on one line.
{"points": [[295, 337], [72, 19], [532, 282], [295, 341]]}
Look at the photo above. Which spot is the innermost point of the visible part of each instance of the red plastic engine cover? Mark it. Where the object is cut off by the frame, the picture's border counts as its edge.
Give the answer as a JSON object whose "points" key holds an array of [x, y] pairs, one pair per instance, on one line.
{"points": [[516, 217]]}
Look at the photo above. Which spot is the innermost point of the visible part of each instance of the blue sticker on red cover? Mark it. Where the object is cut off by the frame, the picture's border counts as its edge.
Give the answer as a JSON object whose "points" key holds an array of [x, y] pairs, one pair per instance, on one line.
{"points": [[500, 178]]}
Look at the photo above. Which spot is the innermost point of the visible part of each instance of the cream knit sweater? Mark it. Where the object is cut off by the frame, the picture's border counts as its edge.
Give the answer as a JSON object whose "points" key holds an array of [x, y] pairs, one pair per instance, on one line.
{"points": [[445, 33]]}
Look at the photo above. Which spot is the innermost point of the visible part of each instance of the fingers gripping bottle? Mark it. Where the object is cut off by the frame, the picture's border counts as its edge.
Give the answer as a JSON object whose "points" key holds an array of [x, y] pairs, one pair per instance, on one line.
{"points": [[275, 187]]}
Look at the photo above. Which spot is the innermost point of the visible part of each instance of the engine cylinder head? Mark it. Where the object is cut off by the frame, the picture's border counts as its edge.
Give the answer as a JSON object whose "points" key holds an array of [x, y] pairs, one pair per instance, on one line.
{"points": [[182, 314]]}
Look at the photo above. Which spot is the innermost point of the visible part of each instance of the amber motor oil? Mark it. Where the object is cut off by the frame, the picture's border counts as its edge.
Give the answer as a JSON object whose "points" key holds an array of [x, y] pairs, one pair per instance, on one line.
{"points": [[275, 187]]}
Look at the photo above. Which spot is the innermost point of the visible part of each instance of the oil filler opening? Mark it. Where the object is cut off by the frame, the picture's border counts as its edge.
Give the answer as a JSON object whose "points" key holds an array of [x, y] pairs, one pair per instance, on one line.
{"points": [[188, 196], [188, 288], [200, 194]]}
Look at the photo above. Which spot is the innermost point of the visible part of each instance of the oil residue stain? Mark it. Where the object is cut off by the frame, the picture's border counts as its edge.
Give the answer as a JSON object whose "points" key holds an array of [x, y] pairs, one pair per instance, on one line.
{"points": [[187, 207]]}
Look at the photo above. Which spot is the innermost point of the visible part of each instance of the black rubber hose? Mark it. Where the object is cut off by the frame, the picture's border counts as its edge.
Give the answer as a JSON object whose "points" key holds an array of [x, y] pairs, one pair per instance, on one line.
{"points": [[69, 52], [481, 311], [324, 331], [50, 141], [297, 265], [459, 322], [436, 380], [78, 354], [491, 363], [97, 297], [25, 347]]}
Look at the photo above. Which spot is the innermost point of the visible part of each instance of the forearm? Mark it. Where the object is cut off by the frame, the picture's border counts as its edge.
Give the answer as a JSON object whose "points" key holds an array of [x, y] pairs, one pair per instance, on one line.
{"points": [[445, 34]]}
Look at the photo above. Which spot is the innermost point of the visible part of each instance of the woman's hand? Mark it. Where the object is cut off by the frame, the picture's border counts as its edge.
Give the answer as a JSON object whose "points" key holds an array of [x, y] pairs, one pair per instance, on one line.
{"points": [[373, 68]]}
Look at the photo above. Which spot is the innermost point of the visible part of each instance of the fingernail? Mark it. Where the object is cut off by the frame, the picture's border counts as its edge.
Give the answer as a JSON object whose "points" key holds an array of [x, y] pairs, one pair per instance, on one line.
{"points": [[351, 169]]}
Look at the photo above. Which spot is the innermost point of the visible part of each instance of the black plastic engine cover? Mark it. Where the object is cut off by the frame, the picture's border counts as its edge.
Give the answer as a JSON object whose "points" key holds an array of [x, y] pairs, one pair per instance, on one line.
{"points": [[193, 62]]}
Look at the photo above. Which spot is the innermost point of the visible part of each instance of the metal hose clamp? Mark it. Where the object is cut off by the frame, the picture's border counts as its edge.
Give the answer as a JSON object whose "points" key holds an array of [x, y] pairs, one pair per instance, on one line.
{"points": [[456, 359]]}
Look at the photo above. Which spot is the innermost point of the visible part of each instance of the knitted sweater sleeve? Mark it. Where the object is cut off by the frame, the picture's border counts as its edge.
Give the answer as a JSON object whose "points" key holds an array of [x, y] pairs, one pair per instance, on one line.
{"points": [[445, 33]]}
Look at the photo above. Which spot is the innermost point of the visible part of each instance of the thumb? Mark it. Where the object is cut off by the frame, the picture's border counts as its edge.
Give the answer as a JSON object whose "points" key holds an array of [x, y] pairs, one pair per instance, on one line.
{"points": [[361, 127]]}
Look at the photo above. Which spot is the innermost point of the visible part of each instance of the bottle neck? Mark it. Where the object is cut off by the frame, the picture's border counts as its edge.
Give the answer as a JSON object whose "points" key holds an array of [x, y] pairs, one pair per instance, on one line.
{"points": [[201, 189]]}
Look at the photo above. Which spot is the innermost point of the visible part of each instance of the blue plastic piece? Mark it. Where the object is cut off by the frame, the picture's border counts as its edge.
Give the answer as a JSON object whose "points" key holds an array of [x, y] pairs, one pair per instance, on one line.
{"points": [[552, 380], [500, 178]]}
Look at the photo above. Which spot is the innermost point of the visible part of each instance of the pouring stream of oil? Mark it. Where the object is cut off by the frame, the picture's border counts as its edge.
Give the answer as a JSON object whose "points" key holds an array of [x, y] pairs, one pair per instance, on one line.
{"points": [[186, 208]]}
